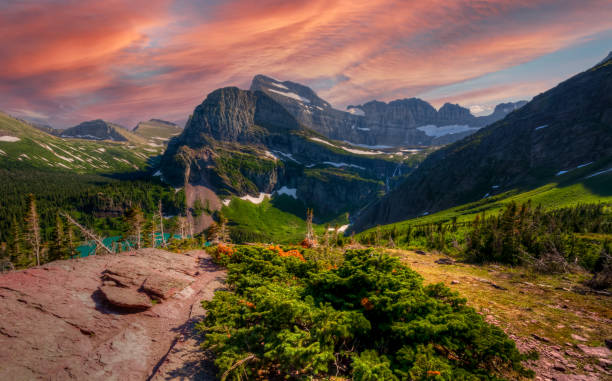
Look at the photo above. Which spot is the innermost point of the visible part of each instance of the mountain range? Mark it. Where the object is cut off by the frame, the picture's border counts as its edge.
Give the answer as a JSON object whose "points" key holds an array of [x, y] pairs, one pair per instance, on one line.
{"points": [[244, 143], [564, 131], [403, 122]]}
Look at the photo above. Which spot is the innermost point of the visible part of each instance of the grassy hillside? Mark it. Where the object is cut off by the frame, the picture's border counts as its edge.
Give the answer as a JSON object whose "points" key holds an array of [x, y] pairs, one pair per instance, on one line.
{"points": [[280, 219], [157, 130], [22, 146], [573, 188]]}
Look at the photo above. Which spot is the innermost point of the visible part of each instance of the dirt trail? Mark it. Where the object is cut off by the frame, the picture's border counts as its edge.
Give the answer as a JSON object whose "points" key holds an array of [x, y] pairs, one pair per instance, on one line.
{"points": [[56, 325]]}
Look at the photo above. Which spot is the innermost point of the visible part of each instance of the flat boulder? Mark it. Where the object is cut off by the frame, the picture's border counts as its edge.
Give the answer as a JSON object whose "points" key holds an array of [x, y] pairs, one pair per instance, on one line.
{"points": [[162, 286], [125, 298]]}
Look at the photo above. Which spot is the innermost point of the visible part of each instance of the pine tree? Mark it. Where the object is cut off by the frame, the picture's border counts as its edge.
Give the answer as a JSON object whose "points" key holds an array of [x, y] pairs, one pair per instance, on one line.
{"points": [[16, 243], [161, 222], [33, 228], [135, 219], [58, 248]]}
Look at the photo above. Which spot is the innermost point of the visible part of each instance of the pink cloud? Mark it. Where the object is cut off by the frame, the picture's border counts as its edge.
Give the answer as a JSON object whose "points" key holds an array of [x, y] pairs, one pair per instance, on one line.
{"points": [[127, 61]]}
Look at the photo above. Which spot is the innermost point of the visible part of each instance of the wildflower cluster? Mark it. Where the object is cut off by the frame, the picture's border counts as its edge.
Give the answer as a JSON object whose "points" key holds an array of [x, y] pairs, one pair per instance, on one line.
{"points": [[290, 253]]}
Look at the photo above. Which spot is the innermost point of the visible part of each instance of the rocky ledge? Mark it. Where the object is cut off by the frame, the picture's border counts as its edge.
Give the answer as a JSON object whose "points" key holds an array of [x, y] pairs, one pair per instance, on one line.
{"points": [[103, 318]]}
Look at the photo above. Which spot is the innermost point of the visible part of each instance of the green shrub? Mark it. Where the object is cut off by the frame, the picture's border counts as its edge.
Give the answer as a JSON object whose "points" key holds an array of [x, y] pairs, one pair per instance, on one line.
{"points": [[369, 319]]}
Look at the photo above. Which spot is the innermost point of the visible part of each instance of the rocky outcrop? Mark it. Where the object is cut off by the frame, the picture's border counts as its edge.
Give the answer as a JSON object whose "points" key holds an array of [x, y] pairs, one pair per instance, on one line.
{"points": [[374, 123], [125, 298], [562, 129], [62, 321]]}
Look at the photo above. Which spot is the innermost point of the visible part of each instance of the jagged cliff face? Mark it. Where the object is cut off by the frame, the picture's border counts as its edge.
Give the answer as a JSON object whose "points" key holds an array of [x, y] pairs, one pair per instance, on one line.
{"points": [[376, 123], [565, 128], [243, 142]]}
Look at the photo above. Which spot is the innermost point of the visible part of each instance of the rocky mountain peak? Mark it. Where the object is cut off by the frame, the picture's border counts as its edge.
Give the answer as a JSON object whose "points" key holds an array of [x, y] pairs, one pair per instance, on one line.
{"points": [[231, 114]]}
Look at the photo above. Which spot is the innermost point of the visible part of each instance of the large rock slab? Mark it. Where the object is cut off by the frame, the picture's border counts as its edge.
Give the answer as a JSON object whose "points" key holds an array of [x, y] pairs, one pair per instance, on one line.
{"points": [[56, 324], [127, 298]]}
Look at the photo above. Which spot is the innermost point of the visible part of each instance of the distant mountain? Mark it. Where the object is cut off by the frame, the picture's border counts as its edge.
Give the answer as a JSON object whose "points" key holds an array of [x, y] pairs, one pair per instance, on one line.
{"points": [[102, 130], [565, 129], [244, 143], [398, 123], [157, 130]]}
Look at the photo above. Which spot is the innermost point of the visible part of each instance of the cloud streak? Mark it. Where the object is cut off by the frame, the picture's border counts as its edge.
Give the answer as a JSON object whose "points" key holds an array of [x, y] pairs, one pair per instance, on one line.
{"points": [[127, 61]]}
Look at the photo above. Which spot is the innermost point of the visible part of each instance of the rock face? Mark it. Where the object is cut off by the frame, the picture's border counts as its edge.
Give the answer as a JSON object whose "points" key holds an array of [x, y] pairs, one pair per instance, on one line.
{"points": [[377, 123], [61, 321], [566, 128], [244, 142], [95, 130]]}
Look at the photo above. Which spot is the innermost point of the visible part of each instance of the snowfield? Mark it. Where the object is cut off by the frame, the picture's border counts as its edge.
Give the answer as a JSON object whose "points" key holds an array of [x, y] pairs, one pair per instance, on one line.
{"points": [[291, 95], [256, 200], [355, 111], [435, 131], [338, 165], [351, 150]]}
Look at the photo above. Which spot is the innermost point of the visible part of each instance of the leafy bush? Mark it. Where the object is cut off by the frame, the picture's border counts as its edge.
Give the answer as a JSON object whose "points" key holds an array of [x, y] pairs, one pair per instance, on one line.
{"points": [[370, 318]]}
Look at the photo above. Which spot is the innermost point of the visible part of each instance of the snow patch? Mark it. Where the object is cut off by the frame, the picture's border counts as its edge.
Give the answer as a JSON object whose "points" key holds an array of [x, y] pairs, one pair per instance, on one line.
{"points": [[270, 155], [495, 186], [355, 111], [287, 155], [584, 165], [256, 200], [363, 129], [291, 95], [292, 192], [9, 139], [361, 152], [322, 141], [539, 128], [56, 154], [341, 229], [158, 173], [279, 85], [226, 202], [435, 131], [561, 173], [2, 153], [486, 195], [599, 173], [338, 165]]}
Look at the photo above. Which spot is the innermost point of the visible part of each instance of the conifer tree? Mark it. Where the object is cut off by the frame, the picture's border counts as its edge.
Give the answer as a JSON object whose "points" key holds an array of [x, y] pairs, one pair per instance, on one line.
{"points": [[135, 218], [33, 228], [58, 248]]}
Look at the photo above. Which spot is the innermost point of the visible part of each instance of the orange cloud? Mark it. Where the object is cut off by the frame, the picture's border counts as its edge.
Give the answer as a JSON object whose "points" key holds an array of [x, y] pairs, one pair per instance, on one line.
{"points": [[126, 61]]}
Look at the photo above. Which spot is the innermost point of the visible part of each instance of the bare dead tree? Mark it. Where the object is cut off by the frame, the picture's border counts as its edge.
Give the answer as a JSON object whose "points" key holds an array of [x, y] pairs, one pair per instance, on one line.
{"points": [[86, 232]]}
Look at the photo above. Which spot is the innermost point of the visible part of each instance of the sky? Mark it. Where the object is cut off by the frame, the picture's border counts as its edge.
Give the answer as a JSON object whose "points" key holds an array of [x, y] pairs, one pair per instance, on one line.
{"points": [[66, 61]]}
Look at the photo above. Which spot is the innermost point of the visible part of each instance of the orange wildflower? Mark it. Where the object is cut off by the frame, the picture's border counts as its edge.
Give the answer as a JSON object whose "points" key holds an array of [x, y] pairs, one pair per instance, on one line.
{"points": [[365, 302], [433, 373]]}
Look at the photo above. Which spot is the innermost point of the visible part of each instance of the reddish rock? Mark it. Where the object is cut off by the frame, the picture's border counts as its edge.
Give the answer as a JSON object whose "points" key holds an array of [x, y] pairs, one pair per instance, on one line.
{"points": [[599, 352], [127, 298], [162, 286], [57, 325]]}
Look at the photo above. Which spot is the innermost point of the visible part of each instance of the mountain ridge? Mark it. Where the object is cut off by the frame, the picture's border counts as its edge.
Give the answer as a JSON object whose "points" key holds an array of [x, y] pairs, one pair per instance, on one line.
{"points": [[378, 123], [551, 135]]}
